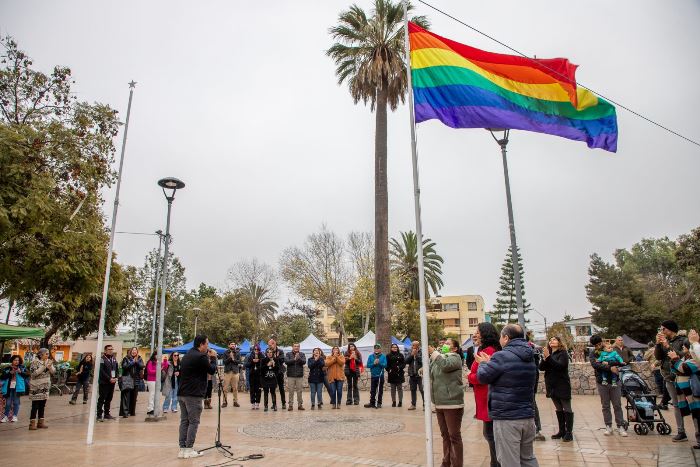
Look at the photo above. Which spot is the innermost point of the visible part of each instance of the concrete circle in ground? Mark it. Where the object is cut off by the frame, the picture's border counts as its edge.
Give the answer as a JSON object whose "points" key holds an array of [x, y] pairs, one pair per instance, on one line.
{"points": [[324, 427]]}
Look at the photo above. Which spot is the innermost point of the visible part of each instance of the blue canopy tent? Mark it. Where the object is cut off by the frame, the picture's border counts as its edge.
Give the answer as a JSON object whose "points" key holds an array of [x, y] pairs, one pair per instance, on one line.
{"points": [[245, 347], [185, 347], [396, 341], [407, 342], [263, 345]]}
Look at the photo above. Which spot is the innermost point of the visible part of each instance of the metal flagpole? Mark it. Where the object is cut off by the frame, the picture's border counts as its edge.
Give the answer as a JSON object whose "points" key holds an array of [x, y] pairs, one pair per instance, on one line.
{"points": [[155, 294], [427, 412], [503, 142], [105, 290]]}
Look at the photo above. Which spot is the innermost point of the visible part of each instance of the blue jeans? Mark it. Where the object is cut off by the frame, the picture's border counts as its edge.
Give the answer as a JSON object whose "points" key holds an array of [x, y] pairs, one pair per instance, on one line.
{"points": [[12, 400], [336, 392], [316, 393], [171, 399]]}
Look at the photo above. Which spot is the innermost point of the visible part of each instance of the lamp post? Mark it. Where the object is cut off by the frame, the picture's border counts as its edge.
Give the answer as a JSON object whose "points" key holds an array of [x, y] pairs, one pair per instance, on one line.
{"points": [[196, 315], [503, 142], [179, 331], [544, 318], [172, 185], [155, 293]]}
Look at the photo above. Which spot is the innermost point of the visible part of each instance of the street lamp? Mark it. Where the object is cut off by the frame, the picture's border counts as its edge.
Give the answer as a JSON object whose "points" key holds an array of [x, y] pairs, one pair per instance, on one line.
{"points": [[179, 331], [171, 185], [503, 142], [543, 317], [196, 315], [155, 293]]}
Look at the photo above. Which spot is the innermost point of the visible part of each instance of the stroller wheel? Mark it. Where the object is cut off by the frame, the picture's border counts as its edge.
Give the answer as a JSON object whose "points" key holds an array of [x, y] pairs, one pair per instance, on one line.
{"points": [[650, 425], [644, 429], [638, 428], [663, 429]]}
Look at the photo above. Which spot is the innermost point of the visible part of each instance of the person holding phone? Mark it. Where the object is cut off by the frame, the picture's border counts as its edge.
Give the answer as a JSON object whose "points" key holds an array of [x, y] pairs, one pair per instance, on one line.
{"points": [[353, 370], [40, 372], [14, 382]]}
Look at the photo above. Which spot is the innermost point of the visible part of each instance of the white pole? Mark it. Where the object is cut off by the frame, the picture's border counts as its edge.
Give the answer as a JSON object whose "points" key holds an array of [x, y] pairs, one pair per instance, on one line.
{"points": [[105, 289], [155, 293], [419, 240]]}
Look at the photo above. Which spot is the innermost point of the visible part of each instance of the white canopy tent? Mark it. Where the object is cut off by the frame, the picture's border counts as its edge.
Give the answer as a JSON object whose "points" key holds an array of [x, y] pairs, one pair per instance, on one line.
{"points": [[310, 343], [365, 345]]}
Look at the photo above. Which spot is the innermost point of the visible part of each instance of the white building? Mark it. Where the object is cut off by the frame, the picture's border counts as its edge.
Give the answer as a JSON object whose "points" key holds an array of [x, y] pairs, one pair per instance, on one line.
{"points": [[582, 328]]}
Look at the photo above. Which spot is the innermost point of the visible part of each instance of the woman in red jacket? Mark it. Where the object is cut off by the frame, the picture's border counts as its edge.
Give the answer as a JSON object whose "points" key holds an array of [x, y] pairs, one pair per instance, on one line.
{"points": [[486, 340]]}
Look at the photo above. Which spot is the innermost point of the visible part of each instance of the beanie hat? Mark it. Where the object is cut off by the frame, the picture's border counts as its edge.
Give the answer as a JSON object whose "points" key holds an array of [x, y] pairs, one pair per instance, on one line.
{"points": [[670, 325], [377, 346], [595, 340]]}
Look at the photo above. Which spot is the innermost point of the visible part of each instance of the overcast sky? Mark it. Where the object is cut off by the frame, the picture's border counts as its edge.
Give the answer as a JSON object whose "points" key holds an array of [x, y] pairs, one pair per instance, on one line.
{"points": [[239, 101]]}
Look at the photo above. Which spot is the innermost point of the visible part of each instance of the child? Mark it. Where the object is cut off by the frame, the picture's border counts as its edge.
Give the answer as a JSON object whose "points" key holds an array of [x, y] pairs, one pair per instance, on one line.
{"points": [[609, 355], [684, 367], [269, 378]]}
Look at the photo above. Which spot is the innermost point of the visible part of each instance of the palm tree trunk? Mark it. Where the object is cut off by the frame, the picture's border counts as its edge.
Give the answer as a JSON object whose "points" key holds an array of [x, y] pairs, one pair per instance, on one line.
{"points": [[381, 224]]}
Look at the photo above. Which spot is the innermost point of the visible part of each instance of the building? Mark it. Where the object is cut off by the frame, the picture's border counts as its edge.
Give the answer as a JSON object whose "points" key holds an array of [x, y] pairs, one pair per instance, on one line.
{"points": [[460, 314], [582, 328]]}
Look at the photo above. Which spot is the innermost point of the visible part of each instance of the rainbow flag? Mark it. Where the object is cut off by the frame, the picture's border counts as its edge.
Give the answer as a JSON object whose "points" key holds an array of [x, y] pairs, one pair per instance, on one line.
{"points": [[464, 87]]}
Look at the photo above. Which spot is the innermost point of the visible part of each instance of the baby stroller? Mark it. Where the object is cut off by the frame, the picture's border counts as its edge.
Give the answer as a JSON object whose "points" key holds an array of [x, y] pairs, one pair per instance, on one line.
{"points": [[641, 405]]}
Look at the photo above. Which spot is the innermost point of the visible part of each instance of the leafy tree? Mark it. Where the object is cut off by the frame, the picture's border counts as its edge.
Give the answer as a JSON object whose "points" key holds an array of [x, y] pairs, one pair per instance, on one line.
{"points": [[360, 309], [506, 309], [404, 262], [226, 318], [319, 273], [369, 56], [55, 154], [257, 282], [289, 328], [407, 323]]}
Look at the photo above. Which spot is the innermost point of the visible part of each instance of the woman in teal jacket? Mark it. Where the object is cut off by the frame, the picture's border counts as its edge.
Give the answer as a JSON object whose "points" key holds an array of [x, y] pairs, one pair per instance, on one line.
{"points": [[13, 384], [447, 394]]}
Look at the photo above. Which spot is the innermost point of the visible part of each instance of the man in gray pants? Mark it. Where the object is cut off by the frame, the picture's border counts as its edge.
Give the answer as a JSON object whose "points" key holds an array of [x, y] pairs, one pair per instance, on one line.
{"points": [[511, 375], [668, 340], [608, 394], [198, 362]]}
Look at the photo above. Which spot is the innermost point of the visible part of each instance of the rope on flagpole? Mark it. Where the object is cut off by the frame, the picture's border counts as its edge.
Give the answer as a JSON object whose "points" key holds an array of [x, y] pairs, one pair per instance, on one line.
{"points": [[613, 101]]}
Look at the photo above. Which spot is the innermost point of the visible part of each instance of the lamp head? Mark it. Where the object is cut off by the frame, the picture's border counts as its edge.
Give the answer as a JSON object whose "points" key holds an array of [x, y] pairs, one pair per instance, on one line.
{"points": [[171, 183]]}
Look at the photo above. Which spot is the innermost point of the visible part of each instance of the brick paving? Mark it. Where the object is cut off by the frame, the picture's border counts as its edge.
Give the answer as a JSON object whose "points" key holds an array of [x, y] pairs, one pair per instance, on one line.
{"points": [[136, 443]]}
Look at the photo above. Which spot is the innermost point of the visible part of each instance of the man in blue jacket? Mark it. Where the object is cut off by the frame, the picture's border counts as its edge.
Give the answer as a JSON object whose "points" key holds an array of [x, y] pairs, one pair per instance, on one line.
{"points": [[376, 363], [511, 375]]}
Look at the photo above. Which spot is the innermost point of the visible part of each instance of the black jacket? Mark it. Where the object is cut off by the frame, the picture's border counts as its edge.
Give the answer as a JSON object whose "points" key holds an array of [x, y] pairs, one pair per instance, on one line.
{"points": [[556, 375], [132, 367], [347, 369], [84, 368], [295, 367], [278, 354], [395, 363], [107, 366], [194, 369], [316, 369], [414, 364], [255, 367], [676, 344], [232, 360]]}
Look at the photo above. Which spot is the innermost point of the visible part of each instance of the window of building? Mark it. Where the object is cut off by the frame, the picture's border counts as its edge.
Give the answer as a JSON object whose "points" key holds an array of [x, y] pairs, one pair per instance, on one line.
{"points": [[583, 331], [471, 306], [450, 307], [473, 322]]}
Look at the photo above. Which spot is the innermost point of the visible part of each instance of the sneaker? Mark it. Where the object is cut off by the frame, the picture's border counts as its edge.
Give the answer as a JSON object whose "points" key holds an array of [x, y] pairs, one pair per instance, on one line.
{"points": [[413, 407], [100, 419], [235, 404], [4, 419], [614, 384], [191, 454], [356, 402], [71, 402], [109, 417], [369, 406], [539, 436], [680, 437], [165, 410], [174, 410], [300, 408], [378, 406], [181, 453], [621, 430], [348, 403], [150, 412], [284, 405], [604, 383], [608, 431]]}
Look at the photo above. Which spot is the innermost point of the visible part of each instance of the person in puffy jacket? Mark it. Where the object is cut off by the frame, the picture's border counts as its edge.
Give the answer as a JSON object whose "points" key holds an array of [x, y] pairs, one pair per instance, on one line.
{"points": [[172, 383], [353, 370], [14, 383], [555, 364], [447, 394], [132, 365], [82, 374], [269, 378], [151, 370], [395, 364], [511, 375], [414, 362], [335, 363], [486, 338], [316, 364], [376, 363], [40, 371]]}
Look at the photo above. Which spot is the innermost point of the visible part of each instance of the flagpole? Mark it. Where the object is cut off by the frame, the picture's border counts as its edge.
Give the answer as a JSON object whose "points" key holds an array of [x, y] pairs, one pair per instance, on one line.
{"points": [[427, 412], [105, 289], [514, 257]]}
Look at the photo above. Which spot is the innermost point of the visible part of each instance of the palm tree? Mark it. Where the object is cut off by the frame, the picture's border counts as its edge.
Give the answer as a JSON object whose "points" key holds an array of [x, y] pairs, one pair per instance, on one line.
{"points": [[369, 56], [262, 307], [404, 262]]}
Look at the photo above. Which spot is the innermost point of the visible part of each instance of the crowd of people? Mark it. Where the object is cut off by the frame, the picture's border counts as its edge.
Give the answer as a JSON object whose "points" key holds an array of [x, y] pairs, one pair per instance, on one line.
{"points": [[503, 368]]}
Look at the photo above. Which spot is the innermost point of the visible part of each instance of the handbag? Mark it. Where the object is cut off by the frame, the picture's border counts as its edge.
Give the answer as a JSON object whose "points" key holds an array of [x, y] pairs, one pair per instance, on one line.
{"points": [[126, 382]]}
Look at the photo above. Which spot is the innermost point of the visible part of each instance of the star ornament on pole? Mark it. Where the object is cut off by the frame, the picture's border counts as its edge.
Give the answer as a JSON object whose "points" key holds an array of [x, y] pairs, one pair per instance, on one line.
{"points": [[132, 84]]}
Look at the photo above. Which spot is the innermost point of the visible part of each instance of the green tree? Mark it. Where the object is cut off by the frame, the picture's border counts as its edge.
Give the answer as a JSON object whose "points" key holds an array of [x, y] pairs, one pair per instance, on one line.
{"points": [[404, 262], [369, 56], [289, 328], [562, 332], [406, 323], [55, 154], [227, 318], [506, 310]]}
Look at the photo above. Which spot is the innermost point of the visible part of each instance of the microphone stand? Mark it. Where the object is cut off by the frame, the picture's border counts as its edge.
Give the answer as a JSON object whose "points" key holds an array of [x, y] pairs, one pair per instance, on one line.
{"points": [[217, 441]]}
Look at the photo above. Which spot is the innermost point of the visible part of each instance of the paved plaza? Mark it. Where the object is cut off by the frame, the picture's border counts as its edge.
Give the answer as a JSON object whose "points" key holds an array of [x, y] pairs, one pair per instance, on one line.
{"points": [[352, 436]]}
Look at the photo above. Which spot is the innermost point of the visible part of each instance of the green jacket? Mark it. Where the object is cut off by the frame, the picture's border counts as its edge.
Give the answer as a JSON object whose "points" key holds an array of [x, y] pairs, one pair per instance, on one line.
{"points": [[446, 380]]}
